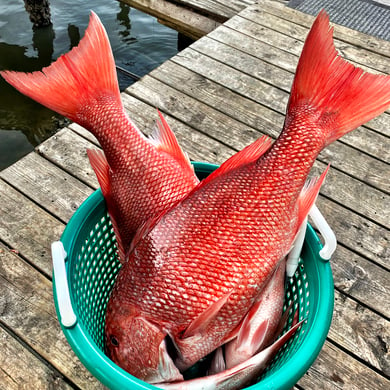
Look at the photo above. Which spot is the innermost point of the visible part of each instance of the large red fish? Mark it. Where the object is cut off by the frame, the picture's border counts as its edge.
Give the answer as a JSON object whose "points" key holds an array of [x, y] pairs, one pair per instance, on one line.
{"points": [[139, 177], [194, 274]]}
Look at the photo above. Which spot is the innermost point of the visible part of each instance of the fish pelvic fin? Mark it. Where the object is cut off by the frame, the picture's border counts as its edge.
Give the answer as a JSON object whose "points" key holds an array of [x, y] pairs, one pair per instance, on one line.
{"points": [[343, 95], [76, 78], [102, 171], [165, 140]]}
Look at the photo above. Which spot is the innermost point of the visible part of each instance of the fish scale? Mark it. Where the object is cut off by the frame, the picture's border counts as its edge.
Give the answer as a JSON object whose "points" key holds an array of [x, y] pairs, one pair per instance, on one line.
{"points": [[219, 246], [196, 257], [139, 177]]}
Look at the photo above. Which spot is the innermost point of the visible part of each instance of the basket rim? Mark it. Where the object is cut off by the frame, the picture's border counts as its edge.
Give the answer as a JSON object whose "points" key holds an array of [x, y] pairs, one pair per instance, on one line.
{"points": [[115, 377]]}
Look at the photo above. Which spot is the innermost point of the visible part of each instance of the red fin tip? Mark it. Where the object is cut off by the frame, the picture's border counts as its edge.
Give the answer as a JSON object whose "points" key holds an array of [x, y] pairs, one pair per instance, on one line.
{"points": [[345, 96]]}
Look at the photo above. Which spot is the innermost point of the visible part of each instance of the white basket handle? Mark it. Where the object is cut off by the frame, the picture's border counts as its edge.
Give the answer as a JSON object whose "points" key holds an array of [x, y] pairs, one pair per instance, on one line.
{"points": [[68, 317], [327, 233]]}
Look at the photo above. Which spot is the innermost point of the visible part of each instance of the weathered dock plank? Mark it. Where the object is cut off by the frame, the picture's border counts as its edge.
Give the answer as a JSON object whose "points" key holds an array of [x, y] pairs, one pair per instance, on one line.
{"points": [[69, 150], [352, 37], [336, 369], [184, 20], [355, 232], [47, 185], [288, 36], [361, 332], [21, 369], [218, 96], [22, 224], [27, 307]]}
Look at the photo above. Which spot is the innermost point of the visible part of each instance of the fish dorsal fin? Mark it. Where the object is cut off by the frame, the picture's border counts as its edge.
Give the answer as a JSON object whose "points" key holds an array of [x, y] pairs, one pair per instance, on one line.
{"points": [[165, 140], [200, 323], [249, 154], [102, 171], [308, 196]]}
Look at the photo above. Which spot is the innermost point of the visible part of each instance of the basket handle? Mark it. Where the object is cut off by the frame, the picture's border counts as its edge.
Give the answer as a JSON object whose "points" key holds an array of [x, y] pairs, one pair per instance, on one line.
{"points": [[67, 315], [327, 233]]}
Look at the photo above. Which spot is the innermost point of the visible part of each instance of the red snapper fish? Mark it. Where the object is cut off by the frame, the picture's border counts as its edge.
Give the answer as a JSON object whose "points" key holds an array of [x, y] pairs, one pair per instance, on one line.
{"points": [[194, 273], [260, 326], [139, 177]]}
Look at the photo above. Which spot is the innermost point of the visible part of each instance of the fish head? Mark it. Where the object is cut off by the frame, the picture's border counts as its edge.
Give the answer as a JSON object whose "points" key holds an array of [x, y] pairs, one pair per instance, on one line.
{"points": [[138, 345]]}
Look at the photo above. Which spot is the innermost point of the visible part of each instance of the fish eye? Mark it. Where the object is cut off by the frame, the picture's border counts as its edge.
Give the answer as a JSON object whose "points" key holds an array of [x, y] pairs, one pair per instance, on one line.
{"points": [[114, 341]]}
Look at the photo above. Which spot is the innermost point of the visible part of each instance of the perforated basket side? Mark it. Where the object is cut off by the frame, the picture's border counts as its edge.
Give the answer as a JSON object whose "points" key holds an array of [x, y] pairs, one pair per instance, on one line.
{"points": [[92, 274], [92, 267]]}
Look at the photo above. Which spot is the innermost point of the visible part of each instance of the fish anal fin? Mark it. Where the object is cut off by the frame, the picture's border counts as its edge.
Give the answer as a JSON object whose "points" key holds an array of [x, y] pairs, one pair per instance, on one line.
{"points": [[102, 171], [308, 196], [200, 323]]}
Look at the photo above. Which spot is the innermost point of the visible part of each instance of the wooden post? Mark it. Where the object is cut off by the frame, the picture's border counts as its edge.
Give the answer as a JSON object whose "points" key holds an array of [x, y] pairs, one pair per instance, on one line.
{"points": [[39, 11]]}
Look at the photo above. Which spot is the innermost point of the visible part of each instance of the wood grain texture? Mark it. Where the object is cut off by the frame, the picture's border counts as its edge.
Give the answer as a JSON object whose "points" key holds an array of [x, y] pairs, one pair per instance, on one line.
{"points": [[27, 307], [219, 95], [26, 228], [335, 369], [21, 369], [185, 20], [47, 185]]}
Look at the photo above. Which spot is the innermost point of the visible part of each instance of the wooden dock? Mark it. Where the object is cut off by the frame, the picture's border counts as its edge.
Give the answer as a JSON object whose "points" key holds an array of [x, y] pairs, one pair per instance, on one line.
{"points": [[218, 95]]}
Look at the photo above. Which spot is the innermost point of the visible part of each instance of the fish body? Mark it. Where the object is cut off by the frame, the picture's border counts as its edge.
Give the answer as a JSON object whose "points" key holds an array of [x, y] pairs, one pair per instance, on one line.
{"points": [[194, 274], [139, 177], [261, 324], [235, 378]]}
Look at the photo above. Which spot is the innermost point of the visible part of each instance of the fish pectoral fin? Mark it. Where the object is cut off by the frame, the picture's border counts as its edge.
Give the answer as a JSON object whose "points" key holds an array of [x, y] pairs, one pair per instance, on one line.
{"points": [[200, 323], [166, 367], [308, 196]]}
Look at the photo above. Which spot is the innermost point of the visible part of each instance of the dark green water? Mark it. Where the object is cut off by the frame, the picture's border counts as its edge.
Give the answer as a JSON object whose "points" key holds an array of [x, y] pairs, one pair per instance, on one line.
{"points": [[138, 41]]}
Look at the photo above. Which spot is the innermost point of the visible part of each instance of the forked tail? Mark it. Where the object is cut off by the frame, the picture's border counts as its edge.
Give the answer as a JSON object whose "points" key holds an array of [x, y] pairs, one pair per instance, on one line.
{"points": [[76, 78], [343, 95]]}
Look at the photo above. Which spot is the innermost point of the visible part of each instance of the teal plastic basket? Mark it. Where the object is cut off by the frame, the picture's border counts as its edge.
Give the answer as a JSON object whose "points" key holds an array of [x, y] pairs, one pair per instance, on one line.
{"points": [[91, 266]]}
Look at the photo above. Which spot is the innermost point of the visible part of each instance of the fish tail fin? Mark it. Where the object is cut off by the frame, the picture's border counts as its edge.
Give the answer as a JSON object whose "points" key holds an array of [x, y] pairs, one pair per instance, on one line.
{"points": [[76, 78], [343, 95]]}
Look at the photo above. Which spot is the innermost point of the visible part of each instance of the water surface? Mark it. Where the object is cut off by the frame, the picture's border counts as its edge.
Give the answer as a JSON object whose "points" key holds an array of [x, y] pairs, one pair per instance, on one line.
{"points": [[138, 41]]}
